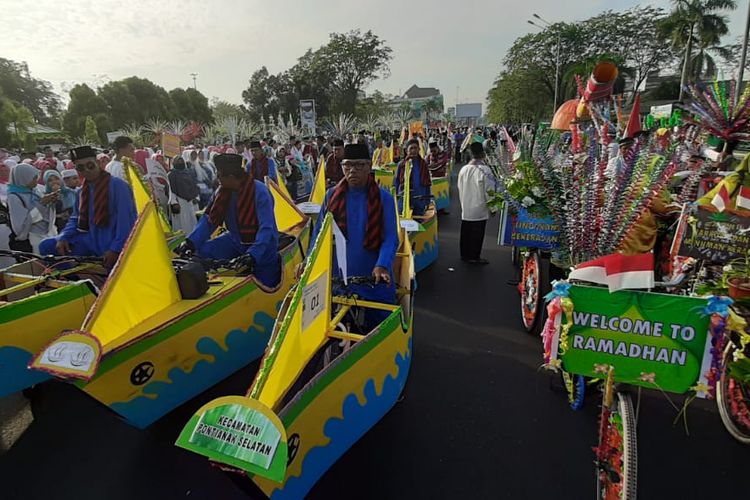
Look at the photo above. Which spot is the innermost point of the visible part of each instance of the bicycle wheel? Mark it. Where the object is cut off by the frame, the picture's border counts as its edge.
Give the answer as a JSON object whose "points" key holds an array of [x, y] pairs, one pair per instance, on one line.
{"points": [[617, 453], [575, 385], [733, 400], [533, 286]]}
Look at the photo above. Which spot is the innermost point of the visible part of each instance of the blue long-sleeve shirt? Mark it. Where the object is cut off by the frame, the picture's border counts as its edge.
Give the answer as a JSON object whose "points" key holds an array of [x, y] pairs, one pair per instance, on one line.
{"points": [[359, 260], [253, 169], [265, 247], [420, 195], [122, 216]]}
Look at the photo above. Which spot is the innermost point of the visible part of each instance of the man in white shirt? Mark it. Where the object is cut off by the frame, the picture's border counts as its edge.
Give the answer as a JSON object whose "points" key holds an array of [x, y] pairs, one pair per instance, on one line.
{"points": [[123, 146], [475, 181]]}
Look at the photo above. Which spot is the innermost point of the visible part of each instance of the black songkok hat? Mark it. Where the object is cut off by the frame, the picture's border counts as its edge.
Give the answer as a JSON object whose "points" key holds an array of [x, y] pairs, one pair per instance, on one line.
{"points": [[356, 152], [338, 142], [228, 162], [82, 152], [254, 144]]}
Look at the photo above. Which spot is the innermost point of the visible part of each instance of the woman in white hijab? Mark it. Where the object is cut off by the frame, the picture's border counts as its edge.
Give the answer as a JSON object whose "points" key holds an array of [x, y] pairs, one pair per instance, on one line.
{"points": [[204, 180], [32, 217]]}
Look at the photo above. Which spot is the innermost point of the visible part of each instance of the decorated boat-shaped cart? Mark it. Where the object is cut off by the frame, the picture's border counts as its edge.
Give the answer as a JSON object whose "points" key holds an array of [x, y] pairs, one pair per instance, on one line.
{"points": [[143, 350], [320, 387], [441, 192], [37, 301]]}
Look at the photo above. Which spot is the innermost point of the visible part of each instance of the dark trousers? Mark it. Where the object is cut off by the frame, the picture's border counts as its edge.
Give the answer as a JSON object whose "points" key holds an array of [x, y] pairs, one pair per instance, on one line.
{"points": [[472, 238]]}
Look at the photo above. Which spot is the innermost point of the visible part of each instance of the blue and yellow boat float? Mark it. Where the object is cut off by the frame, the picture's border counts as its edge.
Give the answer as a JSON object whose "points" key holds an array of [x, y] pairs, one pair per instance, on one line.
{"points": [[37, 300], [320, 387], [142, 349]]}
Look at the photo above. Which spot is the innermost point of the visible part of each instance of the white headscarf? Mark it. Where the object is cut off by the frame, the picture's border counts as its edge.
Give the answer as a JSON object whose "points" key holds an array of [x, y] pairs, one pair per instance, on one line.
{"points": [[199, 172], [22, 174]]}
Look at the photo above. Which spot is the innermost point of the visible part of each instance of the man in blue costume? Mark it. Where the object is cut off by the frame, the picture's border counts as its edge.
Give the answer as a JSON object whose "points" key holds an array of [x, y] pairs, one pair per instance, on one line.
{"points": [[103, 214], [245, 207], [366, 215], [260, 165], [421, 184]]}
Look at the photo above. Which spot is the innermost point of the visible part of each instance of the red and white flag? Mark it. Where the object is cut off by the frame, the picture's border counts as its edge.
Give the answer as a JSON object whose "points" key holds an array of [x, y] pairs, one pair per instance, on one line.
{"points": [[618, 271], [743, 198], [721, 199]]}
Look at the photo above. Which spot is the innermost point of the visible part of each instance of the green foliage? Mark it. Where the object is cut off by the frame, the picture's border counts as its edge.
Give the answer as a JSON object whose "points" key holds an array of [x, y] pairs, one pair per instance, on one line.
{"points": [[222, 109], [631, 37], [84, 102], [18, 120], [18, 86], [518, 97], [698, 24], [91, 134], [190, 105], [333, 75], [526, 186]]}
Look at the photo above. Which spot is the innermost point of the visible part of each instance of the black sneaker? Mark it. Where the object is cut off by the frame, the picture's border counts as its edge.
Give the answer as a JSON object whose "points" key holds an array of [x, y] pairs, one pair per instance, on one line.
{"points": [[479, 262]]}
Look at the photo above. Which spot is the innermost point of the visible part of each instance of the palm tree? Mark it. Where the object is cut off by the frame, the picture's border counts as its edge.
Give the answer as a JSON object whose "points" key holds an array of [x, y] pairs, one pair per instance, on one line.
{"points": [[697, 22]]}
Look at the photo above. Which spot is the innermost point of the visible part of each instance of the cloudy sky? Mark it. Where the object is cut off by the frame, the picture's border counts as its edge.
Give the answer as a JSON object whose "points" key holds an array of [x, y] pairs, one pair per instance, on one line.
{"points": [[456, 48]]}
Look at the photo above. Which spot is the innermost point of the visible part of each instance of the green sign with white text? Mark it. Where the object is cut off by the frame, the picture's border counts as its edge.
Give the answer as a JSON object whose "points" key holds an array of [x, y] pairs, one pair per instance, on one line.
{"points": [[651, 339], [239, 432]]}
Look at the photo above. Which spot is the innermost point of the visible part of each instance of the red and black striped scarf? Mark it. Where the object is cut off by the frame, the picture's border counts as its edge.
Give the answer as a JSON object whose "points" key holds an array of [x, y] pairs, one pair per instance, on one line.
{"points": [[374, 229], [259, 168], [247, 217], [101, 202], [424, 172]]}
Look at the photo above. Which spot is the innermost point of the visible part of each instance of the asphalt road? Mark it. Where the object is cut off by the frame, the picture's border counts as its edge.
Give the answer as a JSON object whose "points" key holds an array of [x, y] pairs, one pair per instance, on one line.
{"points": [[477, 420]]}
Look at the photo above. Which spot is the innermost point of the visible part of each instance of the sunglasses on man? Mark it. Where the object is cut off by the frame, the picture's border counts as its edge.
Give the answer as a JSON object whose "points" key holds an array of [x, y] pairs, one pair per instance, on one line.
{"points": [[84, 167]]}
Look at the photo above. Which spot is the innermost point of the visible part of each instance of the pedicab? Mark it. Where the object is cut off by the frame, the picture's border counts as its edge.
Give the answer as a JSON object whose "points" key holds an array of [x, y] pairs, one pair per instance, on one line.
{"points": [[644, 339], [38, 298], [143, 349], [422, 229], [320, 386]]}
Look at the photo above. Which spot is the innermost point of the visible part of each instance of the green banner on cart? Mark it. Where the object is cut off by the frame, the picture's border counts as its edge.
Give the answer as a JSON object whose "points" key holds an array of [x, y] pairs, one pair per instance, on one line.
{"points": [[651, 339]]}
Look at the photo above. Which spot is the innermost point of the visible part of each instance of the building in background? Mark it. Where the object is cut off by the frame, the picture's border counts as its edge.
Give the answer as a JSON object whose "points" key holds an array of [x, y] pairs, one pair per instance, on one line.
{"points": [[425, 103], [468, 115]]}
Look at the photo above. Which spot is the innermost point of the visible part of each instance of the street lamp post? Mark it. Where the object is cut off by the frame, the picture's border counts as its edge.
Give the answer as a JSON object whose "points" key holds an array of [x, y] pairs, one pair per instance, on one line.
{"points": [[741, 72], [546, 25]]}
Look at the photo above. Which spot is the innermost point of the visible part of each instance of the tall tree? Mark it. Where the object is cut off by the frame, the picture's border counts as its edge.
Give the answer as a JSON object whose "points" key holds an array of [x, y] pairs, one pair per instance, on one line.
{"points": [[36, 95], [190, 105], [85, 102], [354, 60], [19, 120], [696, 22], [222, 109]]}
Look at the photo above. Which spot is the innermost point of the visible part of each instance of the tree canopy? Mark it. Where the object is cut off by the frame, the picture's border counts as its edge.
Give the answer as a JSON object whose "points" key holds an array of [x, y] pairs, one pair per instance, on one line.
{"points": [[632, 38], [18, 86], [334, 75]]}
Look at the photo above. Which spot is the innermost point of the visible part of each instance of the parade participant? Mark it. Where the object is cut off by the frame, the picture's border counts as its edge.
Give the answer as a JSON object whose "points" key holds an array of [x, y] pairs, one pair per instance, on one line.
{"points": [[260, 165], [380, 155], [475, 182], [333, 163], [123, 147], [70, 178], [322, 146], [32, 217], [103, 215], [245, 207], [66, 198], [183, 189], [205, 184], [366, 215], [420, 181], [310, 149], [437, 161]]}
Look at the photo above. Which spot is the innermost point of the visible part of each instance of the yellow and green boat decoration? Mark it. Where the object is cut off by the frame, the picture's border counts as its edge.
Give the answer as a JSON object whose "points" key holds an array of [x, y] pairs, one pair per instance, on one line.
{"points": [[36, 302], [143, 350], [384, 175], [441, 192], [307, 406], [422, 229]]}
